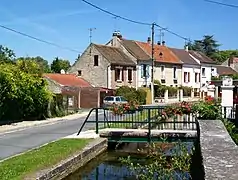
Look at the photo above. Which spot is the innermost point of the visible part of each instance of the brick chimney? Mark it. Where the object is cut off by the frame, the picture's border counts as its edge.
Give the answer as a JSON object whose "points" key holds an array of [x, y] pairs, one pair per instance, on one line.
{"points": [[231, 62]]}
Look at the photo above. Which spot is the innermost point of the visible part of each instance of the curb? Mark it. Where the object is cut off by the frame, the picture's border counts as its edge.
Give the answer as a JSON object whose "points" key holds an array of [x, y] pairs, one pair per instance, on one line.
{"points": [[68, 166]]}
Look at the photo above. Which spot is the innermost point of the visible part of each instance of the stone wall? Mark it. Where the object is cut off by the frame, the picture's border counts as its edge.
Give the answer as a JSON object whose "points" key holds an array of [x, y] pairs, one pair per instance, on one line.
{"points": [[219, 152]]}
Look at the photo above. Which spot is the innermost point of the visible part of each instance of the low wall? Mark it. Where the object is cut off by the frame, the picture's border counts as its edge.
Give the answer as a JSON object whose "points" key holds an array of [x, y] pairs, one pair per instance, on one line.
{"points": [[76, 161], [219, 152]]}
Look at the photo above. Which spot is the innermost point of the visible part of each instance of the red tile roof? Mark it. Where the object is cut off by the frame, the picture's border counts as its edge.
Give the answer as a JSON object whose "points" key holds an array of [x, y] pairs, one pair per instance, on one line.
{"points": [[68, 80], [161, 53]]}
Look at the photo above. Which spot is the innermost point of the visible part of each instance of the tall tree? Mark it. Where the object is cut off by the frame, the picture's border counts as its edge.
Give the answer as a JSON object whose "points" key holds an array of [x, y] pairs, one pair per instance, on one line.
{"points": [[208, 45], [59, 64]]}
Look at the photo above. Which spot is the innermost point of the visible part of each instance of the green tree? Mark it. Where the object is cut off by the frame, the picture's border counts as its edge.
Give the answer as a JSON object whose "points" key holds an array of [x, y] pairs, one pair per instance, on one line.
{"points": [[6, 55], [208, 45], [59, 64], [22, 95], [42, 63]]}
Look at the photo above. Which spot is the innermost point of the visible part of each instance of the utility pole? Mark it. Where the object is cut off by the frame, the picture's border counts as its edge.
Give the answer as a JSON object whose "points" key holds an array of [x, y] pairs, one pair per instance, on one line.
{"points": [[152, 64]]}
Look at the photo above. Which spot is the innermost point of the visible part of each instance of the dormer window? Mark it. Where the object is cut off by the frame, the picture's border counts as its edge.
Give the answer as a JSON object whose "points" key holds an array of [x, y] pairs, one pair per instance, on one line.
{"points": [[160, 54]]}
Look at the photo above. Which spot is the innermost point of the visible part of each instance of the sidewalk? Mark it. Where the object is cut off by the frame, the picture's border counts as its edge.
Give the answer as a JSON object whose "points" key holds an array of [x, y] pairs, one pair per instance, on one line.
{"points": [[26, 124]]}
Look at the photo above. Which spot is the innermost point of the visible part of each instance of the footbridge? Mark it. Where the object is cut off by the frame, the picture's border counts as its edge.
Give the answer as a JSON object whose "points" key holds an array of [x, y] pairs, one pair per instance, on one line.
{"points": [[146, 124]]}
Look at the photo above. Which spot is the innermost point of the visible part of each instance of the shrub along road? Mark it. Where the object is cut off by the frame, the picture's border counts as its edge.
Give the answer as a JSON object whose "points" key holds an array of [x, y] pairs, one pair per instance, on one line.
{"points": [[20, 141]]}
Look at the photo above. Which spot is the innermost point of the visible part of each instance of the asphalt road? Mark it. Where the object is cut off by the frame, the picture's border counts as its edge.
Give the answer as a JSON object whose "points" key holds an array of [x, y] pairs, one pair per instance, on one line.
{"points": [[19, 141]]}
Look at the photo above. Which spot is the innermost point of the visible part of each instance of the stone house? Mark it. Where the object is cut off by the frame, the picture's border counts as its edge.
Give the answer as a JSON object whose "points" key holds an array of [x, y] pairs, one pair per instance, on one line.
{"points": [[105, 66]]}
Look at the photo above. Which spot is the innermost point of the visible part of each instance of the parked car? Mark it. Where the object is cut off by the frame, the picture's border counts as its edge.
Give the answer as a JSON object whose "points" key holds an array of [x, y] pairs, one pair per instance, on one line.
{"points": [[111, 100]]}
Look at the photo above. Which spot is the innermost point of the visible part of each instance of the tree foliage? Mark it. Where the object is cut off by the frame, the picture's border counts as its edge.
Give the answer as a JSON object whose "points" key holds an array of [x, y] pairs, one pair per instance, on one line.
{"points": [[42, 64], [22, 95], [6, 55], [208, 45], [131, 94], [59, 64]]}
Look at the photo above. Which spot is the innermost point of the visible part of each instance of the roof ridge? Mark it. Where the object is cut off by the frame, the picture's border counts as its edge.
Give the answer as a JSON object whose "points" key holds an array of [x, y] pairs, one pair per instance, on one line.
{"points": [[142, 48], [105, 45]]}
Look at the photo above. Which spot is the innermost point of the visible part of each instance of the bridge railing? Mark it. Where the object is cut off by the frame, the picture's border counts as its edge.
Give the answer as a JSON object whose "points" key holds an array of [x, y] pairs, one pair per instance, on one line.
{"points": [[146, 117]]}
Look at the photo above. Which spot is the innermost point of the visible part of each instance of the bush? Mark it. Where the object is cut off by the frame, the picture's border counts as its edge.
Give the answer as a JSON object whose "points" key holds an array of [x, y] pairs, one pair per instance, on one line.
{"points": [[186, 91], [131, 94], [23, 96], [172, 91]]}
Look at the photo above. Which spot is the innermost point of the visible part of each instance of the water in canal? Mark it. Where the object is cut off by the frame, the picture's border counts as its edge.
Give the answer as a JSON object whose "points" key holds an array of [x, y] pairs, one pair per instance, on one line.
{"points": [[108, 166]]}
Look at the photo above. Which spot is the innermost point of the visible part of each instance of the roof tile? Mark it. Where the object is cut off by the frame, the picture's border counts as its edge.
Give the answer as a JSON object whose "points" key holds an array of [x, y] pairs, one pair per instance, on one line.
{"points": [[114, 55], [184, 56], [225, 70], [161, 53], [68, 80]]}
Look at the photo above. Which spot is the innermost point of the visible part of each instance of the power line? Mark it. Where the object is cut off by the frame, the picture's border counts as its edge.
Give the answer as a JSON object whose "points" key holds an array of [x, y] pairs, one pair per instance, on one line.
{"points": [[223, 4], [133, 21], [117, 16], [38, 39]]}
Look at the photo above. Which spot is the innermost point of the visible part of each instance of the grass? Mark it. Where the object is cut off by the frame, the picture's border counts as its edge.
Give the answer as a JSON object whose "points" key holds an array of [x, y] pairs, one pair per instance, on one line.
{"points": [[19, 167]]}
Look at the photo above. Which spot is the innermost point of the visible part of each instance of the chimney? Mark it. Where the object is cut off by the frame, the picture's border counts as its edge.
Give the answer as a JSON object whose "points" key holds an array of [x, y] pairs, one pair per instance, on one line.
{"points": [[230, 61], [115, 36], [186, 48], [163, 43], [158, 43], [149, 40]]}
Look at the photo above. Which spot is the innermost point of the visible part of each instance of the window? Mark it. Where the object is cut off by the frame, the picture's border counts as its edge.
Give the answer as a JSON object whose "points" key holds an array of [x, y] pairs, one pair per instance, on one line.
{"points": [[79, 73], [95, 60], [186, 77], [118, 99], [144, 70], [175, 72], [197, 77], [162, 72], [129, 77], [118, 74], [203, 72]]}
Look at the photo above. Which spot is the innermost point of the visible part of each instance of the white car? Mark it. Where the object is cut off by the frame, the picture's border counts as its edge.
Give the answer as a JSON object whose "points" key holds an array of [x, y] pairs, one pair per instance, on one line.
{"points": [[111, 100]]}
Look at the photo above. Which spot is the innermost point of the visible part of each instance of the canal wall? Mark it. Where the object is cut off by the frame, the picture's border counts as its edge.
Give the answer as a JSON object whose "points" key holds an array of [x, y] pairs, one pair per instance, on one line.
{"points": [[218, 150], [67, 166]]}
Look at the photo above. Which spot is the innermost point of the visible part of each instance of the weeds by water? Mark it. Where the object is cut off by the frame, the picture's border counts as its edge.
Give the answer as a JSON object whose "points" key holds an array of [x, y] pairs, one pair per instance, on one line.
{"points": [[160, 166]]}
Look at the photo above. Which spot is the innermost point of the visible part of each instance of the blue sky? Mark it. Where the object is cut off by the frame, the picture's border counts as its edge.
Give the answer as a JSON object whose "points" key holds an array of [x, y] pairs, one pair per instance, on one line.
{"points": [[66, 22]]}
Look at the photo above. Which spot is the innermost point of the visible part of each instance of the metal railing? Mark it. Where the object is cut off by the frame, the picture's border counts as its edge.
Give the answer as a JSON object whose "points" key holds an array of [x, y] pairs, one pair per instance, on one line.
{"points": [[145, 118]]}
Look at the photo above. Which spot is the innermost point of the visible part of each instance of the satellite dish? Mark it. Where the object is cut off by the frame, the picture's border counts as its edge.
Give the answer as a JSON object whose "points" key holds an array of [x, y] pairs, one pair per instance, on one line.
{"points": [[62, 71]]}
